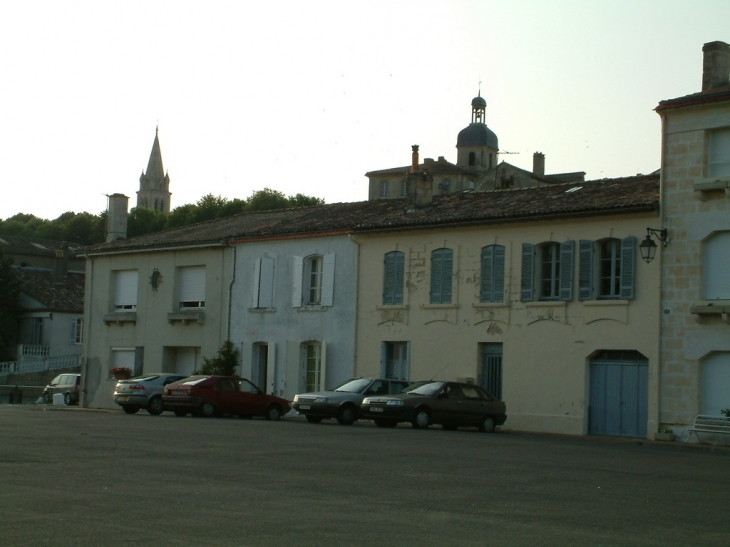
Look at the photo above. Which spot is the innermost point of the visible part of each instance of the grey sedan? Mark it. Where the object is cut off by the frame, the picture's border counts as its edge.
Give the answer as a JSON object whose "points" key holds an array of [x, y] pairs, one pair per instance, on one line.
{"points": [[343, 403], [144, 391]]}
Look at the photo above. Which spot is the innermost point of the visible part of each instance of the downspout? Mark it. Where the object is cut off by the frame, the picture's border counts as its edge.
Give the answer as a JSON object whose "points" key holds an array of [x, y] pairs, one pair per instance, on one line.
{"points": [[230, 292], [354, 239], [660, 314], [87, 334]]}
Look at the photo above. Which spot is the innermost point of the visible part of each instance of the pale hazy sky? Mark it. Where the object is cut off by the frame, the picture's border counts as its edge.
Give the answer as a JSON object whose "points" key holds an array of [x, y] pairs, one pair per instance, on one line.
{"points": [[307, 96]]}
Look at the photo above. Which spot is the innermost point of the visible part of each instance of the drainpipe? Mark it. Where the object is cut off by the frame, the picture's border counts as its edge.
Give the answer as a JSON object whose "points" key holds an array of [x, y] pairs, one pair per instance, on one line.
{"points": [[354, 239], [83, 403], [230, 293]]}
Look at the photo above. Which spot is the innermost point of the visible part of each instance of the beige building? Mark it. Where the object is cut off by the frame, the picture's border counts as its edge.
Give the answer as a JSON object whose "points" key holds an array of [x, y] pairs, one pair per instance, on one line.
{"points": [[695, 305], [536, 294]]}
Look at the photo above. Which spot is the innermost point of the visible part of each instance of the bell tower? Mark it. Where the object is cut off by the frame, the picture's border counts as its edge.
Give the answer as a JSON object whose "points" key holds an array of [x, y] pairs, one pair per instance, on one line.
{"points": [[154, 184]]}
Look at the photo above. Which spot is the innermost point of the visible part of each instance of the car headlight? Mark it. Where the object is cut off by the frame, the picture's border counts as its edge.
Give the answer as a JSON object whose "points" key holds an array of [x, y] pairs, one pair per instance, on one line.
{"points": [[366, 401], [395, 402], [321, 400], [296, 398]]}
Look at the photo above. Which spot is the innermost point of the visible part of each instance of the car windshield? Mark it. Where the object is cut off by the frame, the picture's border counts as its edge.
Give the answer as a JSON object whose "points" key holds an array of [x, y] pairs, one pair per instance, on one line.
{"points": [[355, 386], [144, 378], [424, 388]]}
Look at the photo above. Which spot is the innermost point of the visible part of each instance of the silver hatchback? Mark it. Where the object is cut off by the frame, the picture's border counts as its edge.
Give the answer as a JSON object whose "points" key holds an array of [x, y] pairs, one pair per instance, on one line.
{"points": [[144, 391]]}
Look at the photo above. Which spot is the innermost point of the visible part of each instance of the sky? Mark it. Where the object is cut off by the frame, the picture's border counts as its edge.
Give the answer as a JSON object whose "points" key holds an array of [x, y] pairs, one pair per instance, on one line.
{"points": [[308, 96]]}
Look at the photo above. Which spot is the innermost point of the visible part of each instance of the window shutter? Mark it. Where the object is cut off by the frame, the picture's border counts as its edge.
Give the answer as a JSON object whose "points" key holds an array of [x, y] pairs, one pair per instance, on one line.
{"points": [[400, 267], [447, 279], [296, 297], [528, 273], [498, 269], [389, 279], [437, 272], [138, 360], [328, 279], [192, 284], [125, 288], [72, 331], [256, 283], [585, 270], [628, 251], [266, 283], [566, 270], [383, 359], [487, 292]]}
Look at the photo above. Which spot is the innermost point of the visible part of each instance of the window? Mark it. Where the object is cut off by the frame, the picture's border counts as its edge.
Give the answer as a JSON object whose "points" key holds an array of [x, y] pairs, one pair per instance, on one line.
{"points": [[715, 267], [490, 371], [125, 290], [442, 263], [472, 158], [124, 358], [395, 360], [314, 366], [393, 275], [263, 283], [718, 153], [492, 275], [383, 188], [445, 187], [555, 277], [403, 188], [37, 331], [192, 287], [75, 331], [614, 265], [314, 278]]}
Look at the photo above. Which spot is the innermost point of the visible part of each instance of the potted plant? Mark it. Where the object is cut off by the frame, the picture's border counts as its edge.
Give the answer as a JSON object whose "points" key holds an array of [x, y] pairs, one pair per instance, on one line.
{"points": [[121, 373], [664, 435]]}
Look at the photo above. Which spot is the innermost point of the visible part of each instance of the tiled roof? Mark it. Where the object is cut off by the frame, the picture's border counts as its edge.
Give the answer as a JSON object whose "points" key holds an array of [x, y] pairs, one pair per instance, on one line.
{"points": [[431, 167], [67, 296], [606, 196], [701, 97], [34, 246]]}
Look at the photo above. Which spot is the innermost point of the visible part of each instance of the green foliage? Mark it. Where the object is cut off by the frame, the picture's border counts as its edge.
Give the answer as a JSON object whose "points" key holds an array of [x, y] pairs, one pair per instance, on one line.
{"points": [[223, 364], [10, 309], [726, 412], [88, 229]]}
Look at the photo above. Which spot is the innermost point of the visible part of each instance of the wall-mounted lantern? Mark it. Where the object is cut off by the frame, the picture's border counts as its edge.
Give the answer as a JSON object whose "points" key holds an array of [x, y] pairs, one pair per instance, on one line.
{"points": [[648, 247]]}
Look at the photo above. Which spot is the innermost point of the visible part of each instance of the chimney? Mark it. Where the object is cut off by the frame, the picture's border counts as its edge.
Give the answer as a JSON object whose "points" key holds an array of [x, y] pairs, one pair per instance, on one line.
{"points": [[715, 65], [116, 222], [538, 164], [414, 158], [419, 186], [60, 264]]}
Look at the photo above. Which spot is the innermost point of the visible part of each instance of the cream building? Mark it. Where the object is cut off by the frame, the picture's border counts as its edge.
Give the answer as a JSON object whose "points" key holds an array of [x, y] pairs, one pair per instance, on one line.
{"points": [[695, 305], [536, 294]]}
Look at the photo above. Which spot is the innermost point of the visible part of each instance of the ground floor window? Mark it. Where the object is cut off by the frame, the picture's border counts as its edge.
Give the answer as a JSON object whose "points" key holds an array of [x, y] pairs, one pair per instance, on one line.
{"points": [[314, 378], [490, 370], [395, 360]]}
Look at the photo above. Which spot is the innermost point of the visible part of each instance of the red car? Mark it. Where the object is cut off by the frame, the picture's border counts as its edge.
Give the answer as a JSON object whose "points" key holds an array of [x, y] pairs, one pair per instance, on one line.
{"points": [[207, 395]]}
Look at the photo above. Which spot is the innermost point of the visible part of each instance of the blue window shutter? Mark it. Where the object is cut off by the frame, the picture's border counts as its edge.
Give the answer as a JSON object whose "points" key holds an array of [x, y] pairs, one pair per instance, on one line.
{"points": [[400, 266], [72, 331], [388, 278], [498, 274], [447, 278], [566, 270], [585, 270], [437, 271], [487, 285], [628, 251], [528, 273]]}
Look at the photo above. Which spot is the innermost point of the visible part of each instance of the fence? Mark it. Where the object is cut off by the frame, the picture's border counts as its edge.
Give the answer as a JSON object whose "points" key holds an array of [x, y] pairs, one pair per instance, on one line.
{"points": [[40, 363]]}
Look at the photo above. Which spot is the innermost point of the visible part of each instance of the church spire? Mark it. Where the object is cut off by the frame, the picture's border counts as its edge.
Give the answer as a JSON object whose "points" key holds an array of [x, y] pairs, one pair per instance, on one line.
{"points": [[154, 184]]}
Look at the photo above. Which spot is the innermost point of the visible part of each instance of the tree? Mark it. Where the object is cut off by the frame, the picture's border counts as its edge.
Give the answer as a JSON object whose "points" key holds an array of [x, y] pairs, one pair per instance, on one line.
{"points": [[10, 309], [143, 221], [224, 364]]}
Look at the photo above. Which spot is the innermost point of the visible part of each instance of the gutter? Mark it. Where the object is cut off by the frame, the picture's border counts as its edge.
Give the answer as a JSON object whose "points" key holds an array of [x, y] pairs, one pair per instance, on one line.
{"points": [[168, 248]]}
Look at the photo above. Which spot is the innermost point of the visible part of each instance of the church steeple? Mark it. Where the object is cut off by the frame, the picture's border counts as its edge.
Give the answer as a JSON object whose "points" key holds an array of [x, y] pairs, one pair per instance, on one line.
{"points": [[154, 185]]}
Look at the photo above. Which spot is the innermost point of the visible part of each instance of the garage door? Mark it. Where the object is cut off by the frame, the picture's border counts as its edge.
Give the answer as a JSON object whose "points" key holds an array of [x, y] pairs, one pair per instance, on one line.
{"points": [[618, 394]]}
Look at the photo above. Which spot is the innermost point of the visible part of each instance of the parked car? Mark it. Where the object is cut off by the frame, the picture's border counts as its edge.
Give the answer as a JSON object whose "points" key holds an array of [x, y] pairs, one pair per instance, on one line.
{"points": [[343, 403], [144, 391], [206, 395], [450, 404], [68, 384]]}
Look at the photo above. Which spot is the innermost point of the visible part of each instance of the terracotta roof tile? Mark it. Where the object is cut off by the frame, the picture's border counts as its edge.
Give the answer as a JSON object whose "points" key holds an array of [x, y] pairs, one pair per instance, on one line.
{"points": [[66, 296]]}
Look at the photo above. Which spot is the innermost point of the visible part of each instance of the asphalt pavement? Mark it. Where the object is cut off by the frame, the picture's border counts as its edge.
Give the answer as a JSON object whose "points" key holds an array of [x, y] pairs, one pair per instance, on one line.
{"points": [[76, 477]]}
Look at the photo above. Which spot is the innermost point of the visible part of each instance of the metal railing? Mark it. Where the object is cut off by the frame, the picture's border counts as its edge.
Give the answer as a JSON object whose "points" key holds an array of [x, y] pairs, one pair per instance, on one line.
{"points": [[40, 363]]}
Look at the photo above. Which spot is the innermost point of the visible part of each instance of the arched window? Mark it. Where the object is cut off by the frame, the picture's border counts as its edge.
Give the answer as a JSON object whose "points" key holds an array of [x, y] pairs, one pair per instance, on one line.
{"points": [[549, 271], [472, 158], [715, 267], [492, 278], [442, 265]]}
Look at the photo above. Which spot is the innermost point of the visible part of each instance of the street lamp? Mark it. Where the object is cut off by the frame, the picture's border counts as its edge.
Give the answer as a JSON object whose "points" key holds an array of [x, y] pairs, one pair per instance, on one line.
{"points": [[648, 247]]}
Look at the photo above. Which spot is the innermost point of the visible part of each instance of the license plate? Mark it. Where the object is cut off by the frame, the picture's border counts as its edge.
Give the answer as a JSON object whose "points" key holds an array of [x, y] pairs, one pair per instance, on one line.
{"points": [[305, 407], [122, 398], [178, 392], [376, 409]]}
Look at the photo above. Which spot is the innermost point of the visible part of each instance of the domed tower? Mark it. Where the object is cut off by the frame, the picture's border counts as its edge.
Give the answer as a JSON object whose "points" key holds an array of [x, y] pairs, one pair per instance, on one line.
{"points": [[154, 185], [477, 145]]}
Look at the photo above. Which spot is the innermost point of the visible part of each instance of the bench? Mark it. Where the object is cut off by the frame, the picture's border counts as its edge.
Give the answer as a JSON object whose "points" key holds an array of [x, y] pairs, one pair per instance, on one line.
{"points": [[718, 425]]}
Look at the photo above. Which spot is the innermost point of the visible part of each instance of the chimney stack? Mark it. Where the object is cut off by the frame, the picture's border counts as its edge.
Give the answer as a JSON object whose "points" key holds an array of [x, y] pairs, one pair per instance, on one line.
{"points": [[419, 186], [116, 222], [60, 263], [538, 164], [715, 65], [414, 158]]}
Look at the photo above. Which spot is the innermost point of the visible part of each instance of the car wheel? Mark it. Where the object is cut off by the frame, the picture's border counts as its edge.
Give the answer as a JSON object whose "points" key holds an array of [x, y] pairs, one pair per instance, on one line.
{"points": [[487, 425], [273, 413], [67, 399], [346, 416], [382, 422], [130, 409], [314, 419], [180, 412], [207, 410], [155, 406], [421, 419]]}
